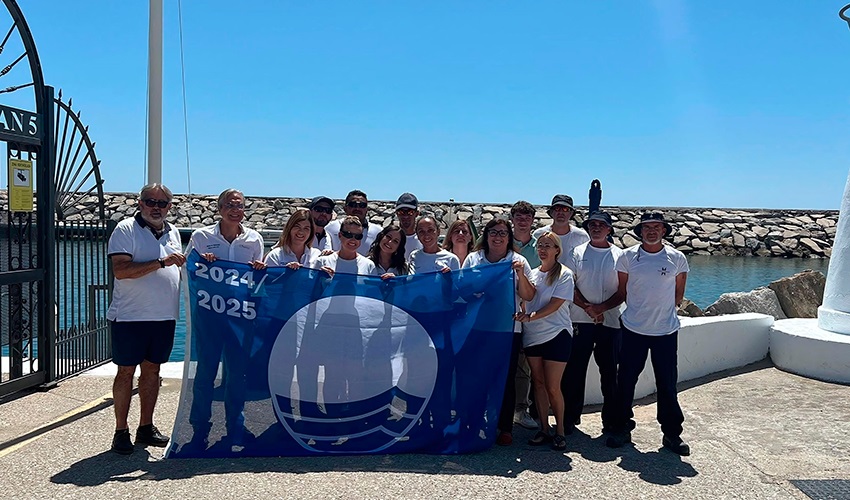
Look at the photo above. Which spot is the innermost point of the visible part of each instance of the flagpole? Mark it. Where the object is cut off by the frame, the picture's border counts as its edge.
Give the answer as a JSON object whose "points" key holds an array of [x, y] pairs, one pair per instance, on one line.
{"points": [[155, 92]]}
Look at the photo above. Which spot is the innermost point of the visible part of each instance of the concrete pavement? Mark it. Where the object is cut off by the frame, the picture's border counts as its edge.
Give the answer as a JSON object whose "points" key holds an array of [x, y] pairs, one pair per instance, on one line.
{"points": [[754, 432]]}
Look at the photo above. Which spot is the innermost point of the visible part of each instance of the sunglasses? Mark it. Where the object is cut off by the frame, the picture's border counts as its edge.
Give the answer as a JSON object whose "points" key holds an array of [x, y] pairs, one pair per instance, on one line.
{"points": [[356, 204], [406, 211], [323, 210], [150, 202], [349, 235], [561, 208], [233, 206], [461, 231], [498, 232]]}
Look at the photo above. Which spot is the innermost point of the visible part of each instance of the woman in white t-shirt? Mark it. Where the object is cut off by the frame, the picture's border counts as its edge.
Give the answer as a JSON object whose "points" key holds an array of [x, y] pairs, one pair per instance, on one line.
{"points": [[431, 258], [459, 239], [387, 252], [495, 246], [548, 335], [293, 249]]}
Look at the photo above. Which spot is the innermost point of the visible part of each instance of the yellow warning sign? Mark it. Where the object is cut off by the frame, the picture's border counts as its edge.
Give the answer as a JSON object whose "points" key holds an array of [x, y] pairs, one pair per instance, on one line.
{"points": [[20, 185]]}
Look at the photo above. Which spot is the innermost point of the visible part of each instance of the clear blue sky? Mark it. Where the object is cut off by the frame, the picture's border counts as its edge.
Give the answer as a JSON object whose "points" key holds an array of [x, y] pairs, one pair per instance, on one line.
{"points": [[668, 103]]}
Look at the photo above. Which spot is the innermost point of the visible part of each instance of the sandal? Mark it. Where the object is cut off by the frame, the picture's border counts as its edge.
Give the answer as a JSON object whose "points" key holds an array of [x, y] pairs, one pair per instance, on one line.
{"points": [[540, 439], [559, 443]]}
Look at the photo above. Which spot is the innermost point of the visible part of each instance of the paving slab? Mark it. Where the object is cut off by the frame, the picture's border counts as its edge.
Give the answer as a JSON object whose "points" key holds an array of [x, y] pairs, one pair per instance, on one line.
{"points": [[752, 432]]}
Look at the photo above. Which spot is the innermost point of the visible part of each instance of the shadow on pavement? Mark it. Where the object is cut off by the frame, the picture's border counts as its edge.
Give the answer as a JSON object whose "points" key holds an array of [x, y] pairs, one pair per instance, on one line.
{"points": [[140, 466], [656, 467]]}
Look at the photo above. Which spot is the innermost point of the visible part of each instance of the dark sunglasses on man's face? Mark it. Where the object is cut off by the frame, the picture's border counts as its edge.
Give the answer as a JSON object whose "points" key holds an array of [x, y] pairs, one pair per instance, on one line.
{"points": [[349, 235], [323, 210], [356, 204], [150, 202]]}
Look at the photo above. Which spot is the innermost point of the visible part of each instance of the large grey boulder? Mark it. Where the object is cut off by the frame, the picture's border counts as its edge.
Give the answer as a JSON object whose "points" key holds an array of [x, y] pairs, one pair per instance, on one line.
{"points": [[801, 294], [761, 300]]}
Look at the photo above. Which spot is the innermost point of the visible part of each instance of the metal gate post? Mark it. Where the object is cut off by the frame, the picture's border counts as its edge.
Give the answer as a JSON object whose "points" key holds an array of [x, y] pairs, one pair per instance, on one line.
{"points": [[46, 199]]}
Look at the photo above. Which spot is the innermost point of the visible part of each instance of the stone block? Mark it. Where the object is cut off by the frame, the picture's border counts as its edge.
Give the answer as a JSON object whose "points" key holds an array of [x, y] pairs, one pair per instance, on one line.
{"points": [[761, 232], [738, 239], [699, 244], [710, 227], [800, 294], [811, 245], [761, 300], [629, 240]]}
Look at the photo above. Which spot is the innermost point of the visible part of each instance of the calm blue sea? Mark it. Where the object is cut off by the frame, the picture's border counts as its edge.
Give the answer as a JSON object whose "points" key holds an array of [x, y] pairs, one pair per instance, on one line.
{"points": [[710, 277]]}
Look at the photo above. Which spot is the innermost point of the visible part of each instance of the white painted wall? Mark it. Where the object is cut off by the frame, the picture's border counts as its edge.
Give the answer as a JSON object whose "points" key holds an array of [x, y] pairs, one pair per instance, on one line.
{"points": [[706, 345]]}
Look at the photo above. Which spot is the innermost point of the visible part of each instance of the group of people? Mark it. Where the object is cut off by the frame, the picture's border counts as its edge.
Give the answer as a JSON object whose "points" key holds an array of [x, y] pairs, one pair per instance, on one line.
{"points": [[577, 295]]}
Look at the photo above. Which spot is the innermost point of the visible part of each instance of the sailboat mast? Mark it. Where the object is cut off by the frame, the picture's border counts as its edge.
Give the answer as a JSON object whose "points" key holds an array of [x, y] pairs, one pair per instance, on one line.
{"points": [[155, 92]]}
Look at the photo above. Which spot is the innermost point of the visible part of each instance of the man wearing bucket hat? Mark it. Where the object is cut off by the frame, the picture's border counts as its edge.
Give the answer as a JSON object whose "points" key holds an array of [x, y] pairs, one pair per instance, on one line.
{"points": [[321, 213], [595, 313], [652, 276], [561, 210]]}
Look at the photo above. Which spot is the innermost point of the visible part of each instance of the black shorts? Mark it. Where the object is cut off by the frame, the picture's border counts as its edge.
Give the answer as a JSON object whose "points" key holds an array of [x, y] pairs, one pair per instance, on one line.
{"points": [[557, 349], [137, 341]]}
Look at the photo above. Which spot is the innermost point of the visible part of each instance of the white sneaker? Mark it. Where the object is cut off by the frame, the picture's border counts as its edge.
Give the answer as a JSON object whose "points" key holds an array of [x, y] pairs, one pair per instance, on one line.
{"points": [[524, 419]]}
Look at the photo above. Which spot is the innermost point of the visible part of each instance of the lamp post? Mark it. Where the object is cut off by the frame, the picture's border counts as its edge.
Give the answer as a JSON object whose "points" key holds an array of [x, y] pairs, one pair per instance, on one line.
{"points": [[834, 314]]}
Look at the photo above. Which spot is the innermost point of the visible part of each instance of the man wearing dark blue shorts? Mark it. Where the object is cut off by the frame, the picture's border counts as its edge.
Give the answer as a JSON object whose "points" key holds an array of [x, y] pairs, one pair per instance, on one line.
{"points": [[145, 252]]}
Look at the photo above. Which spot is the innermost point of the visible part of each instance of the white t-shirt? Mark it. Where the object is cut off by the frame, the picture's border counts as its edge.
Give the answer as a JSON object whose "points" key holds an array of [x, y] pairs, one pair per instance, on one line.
{"points": [[411, 243], [359, 265], [380, 270], [247, 247], [154, 296], [540, 331], [421, 262], [575, 237], [280, 256], [597, 279], [651, 289], [478, 259], [370, 232]]}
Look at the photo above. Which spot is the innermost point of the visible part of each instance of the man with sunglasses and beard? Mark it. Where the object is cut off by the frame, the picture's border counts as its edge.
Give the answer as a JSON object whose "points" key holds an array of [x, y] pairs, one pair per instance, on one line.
{"points": [[356, 205], [145, 253], [561, 210], [321, 213], [406, 211]]}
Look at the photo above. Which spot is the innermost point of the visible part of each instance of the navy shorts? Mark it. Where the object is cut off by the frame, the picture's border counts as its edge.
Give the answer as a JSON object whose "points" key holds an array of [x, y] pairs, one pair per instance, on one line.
{"points": [[137, 341], [557, 349]]}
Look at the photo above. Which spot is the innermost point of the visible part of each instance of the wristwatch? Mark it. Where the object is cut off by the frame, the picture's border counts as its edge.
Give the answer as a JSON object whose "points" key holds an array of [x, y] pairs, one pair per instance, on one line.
{"points": [[161, 263]]}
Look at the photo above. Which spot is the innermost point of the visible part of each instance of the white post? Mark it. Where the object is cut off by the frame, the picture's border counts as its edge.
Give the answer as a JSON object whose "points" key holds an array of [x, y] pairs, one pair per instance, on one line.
{"points": [[834, 314], [155, 92]]}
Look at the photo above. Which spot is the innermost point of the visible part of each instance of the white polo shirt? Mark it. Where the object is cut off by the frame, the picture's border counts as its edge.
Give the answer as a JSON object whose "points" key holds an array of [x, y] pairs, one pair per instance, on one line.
{"points": [[478, 259], [597, 279], [154, 296], [422, 262], [359, 265], [651, 289], [575, 237], [247, 247], [540, 331], [370, 232], [280, 256]]}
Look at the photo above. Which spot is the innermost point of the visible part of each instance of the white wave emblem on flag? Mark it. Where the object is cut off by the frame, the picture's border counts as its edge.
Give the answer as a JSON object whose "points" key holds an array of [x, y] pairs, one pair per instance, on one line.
{"points": [[351, 374]]}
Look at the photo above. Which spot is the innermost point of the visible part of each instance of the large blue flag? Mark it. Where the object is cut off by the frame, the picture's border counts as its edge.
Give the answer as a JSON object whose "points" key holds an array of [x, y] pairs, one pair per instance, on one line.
{"points": [[295, 362]]}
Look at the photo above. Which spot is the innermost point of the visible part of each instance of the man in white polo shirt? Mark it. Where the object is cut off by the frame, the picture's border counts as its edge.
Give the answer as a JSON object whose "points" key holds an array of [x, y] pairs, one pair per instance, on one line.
{"points": [[229, 240], [562, 210], [595, 312], [145, 253], [321, 212], [356, 205], [652, 276]]}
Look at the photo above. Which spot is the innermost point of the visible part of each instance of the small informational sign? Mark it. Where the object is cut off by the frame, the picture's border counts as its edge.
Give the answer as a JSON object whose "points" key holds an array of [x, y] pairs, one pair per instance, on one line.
{"points": [[20, 185]]}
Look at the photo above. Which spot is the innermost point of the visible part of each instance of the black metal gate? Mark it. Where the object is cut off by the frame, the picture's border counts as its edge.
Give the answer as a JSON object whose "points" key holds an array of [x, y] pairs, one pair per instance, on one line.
{"points": [[26, 246], [83, 277]]}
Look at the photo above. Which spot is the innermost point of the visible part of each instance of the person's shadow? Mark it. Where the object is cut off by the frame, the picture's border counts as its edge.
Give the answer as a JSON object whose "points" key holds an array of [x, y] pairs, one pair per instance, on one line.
{"points": [[658, 467]]}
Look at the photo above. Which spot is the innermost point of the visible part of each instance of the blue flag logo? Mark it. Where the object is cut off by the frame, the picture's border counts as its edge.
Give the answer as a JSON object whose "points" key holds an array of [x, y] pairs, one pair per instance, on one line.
{"points": [[285, 362]]}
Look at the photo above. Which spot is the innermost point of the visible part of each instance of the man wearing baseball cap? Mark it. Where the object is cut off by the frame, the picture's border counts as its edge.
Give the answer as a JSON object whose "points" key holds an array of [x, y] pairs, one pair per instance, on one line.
{"points": [[321, 212], [652, 277], [407, 210], [595, 312], [561, 210]]}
